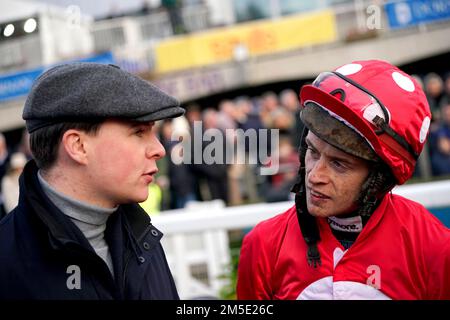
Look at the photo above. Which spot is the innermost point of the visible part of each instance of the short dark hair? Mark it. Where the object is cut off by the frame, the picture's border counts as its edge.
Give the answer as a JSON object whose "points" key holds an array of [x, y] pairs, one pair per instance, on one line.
{"points": [[44, 142]]}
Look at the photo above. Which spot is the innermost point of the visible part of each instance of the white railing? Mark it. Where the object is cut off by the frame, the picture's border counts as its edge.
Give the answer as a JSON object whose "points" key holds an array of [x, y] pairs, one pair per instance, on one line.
{"points": [[196, 238]]}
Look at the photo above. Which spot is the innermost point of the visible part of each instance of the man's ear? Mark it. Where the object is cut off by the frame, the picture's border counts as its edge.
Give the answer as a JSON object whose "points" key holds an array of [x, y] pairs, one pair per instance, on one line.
{"points": [[73, 142]]}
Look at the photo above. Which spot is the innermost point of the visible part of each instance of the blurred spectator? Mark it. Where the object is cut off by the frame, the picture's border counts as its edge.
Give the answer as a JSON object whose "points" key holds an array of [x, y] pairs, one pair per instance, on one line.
{"points": [[278, 189], [283, 120], [235, 176], [434, 89], [226, 118], [212, 177], [247, 116], [446, 97], [289, 100], [210, 119], [440, 155], [244, 109], [10, 182], [193, 113], [269, 106], [419, 80], [288, 162], [242, 175], [182, 183]]}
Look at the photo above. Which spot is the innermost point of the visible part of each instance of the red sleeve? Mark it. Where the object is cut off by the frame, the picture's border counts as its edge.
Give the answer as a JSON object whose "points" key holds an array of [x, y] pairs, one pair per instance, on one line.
{"points": [[254, 271], [439, 284]]}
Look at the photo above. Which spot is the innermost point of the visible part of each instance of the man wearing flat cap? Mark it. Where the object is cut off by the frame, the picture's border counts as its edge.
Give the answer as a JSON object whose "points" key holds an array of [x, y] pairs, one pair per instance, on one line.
{"points": [[77, 232]]}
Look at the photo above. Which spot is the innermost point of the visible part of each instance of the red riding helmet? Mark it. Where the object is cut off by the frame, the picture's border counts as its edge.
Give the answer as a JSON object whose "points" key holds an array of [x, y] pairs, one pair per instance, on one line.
{"points": [[382, 104]]}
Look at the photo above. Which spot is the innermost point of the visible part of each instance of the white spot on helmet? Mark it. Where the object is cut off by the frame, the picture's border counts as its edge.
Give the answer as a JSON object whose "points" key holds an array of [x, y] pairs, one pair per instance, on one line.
{"points": [[424, 129], [375, 110], [403, 82], [349, 69]]}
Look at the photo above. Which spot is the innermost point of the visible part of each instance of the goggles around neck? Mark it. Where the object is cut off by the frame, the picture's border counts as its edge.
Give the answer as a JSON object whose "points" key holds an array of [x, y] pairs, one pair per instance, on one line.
{"points": [[361, 101]]}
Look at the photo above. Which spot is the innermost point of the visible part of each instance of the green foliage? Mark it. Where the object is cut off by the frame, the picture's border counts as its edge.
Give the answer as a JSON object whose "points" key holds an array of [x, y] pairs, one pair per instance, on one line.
{"points": [[228, 292]]}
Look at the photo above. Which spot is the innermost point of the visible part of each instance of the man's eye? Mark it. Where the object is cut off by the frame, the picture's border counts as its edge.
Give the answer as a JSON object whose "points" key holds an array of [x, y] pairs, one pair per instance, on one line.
{"points": [[338, 165], [139, 132], [312, 151]]}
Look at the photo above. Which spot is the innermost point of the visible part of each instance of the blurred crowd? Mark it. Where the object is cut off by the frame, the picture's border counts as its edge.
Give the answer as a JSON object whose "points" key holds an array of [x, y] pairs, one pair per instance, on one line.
{"points": [[12, 162], [438, 95], [237, 181]]}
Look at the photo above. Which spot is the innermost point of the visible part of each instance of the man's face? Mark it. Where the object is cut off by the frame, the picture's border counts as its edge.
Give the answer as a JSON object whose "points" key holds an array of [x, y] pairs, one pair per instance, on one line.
{"points": [[122, 161], [333, 178]]}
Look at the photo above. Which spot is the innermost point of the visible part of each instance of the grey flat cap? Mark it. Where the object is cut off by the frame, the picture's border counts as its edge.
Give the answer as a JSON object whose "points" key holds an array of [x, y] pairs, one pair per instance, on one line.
{"points": [[85, 91]]}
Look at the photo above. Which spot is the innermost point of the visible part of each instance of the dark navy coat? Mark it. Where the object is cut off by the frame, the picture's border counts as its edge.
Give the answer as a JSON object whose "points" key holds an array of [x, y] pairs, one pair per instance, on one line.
{"points": [[43, 255]]}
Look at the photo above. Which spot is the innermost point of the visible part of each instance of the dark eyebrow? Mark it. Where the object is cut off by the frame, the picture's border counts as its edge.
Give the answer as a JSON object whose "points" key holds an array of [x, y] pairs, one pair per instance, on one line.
{"points": [[136, 124], [310, 144], [347, 161]]}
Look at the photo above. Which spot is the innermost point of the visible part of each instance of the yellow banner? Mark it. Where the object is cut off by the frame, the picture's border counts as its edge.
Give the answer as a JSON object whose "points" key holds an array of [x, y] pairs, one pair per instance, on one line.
{"points": [[259, 38]]}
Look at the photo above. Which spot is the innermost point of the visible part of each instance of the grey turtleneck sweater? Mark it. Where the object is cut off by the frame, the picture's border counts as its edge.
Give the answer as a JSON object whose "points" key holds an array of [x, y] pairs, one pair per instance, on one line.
{"points": [[90, 219]]}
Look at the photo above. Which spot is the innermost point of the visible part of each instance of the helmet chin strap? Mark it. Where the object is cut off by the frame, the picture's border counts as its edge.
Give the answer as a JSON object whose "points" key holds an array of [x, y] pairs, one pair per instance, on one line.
{"points": [[379, 182], [306, 221]]}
